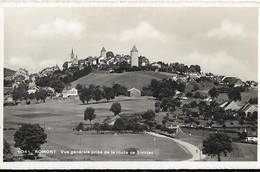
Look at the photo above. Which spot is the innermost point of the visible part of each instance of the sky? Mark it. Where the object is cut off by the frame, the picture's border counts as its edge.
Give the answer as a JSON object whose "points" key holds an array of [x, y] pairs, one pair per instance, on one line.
{"points": [[222, 40]]}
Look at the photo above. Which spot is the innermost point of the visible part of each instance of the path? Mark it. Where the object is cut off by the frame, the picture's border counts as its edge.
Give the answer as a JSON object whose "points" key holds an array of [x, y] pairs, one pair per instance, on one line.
{"points": [[195, 151]]}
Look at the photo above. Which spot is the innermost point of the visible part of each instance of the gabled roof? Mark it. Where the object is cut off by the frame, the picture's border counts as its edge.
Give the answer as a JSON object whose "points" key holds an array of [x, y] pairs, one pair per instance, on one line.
{"points": [[103, 50], [133, 89], [247, 107], [108, 121], [134, 49]]}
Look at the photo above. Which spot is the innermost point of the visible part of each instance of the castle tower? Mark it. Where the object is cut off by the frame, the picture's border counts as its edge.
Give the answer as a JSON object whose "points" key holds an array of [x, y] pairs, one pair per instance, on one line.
{"points": [[72, 55], [134, 57], [103, 52]]}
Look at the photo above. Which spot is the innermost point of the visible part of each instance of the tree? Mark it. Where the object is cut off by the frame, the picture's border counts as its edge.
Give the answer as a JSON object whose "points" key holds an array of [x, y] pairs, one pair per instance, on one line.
{"points": [[119, 125], [217, 144], [234, 94], [213, 93], [41, 94], [31, 96], [97, 94], [108, 93], [197, 95], [89, 114], [116, 108], [79, 87], [195, 87], [149, 115], [29, 138], [189, 94], [85, 95], [57, 85], [8, 153]]}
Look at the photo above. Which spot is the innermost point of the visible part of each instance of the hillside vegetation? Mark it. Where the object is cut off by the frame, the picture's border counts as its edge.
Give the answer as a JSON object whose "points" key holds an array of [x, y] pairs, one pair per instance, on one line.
{"points": [[8, 72], [128, 79]]}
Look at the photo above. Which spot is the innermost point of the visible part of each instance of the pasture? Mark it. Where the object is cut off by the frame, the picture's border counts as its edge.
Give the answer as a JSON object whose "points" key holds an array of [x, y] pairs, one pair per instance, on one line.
{"points": [[59, 117], [67, 113]]}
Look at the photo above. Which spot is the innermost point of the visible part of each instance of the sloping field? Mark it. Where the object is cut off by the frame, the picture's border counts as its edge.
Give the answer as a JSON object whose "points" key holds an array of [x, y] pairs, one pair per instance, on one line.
{"points": [[128, 79]]}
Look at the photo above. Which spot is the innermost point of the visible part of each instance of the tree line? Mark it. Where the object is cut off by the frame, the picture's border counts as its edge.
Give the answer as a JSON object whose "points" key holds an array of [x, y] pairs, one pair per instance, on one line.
{"points": [[96, 93]]}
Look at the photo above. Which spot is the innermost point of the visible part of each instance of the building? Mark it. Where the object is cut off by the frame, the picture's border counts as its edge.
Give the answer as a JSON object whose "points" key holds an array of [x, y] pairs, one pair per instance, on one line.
{"points": [[68, 92], [134, 92], [249, 108], [32, 90], [142, 61], [73, 62], [111, 121], [230, 105], [134, 57], [103, 53]]}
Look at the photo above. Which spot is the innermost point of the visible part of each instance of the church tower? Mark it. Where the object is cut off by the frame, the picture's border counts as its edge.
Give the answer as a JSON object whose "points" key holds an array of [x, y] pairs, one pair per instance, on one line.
{"points": [[72, 56], [103, 52], [134, 57]]}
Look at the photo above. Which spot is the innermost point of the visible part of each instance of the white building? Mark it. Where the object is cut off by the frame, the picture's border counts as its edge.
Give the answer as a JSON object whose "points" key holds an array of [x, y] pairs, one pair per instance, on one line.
{"points": [[68, 92]]}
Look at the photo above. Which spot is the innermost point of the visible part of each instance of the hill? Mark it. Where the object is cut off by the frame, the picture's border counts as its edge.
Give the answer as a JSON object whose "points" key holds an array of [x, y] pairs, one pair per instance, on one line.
{"points": [[138, 79], [8, 72]]}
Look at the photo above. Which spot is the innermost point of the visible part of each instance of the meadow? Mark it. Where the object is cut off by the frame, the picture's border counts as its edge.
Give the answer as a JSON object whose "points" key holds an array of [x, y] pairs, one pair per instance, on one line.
{"points": [[59, 117]]}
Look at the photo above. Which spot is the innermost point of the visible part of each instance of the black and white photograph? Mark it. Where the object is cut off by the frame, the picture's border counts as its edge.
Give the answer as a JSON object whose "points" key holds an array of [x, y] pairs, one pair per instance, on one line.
{"points": [[130, 84]]}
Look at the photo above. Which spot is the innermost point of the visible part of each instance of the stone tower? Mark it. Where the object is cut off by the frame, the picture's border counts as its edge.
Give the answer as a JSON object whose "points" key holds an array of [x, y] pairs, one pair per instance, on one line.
{"points": [[103, 52], [134, 57], [72, 55]]}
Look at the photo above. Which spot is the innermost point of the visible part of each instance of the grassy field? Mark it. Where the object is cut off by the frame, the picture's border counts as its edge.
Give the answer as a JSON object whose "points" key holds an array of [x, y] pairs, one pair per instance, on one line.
{"points": [[149, 148], [128, 79], [241, 151], [59, 117], [60, 114]]}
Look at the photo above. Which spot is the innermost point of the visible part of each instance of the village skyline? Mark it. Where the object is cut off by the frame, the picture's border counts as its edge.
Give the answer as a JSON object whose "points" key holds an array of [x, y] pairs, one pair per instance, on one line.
{"points": [[224, 45]]}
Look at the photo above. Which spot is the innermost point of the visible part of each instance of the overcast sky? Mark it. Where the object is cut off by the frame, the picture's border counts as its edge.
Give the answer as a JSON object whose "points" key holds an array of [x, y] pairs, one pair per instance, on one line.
{"points": [[221, 40]]}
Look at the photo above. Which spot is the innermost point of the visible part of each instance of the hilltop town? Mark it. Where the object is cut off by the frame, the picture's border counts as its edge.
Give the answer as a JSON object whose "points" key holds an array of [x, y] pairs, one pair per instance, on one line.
{"points": [[130, 94]]}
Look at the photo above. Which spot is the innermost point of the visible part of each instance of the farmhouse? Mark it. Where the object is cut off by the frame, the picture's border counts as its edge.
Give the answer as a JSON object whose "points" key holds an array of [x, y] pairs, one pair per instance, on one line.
{"points": [[134, 92], [248, 108], [32, 90], [111, 121], [229, 105], [68, 92]]}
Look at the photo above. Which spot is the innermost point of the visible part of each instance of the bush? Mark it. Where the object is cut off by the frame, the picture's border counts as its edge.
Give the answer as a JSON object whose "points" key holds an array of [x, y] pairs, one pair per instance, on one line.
{"points": [[149, 115], [80, 126], [159, 126], [157, 110]]}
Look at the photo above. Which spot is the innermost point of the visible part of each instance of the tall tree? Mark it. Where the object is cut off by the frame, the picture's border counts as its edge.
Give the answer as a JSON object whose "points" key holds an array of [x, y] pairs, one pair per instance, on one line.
{"points": [[213, 93], [29, 138], [234, 94], [89, 114], [57, 85], [217, 144], [85, 95], [116, 108], [108, 93], [97, 94]]}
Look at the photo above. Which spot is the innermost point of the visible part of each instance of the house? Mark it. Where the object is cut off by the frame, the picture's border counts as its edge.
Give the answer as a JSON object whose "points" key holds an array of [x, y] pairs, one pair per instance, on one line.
{"points": [[249, 108], [159, 66], [111, 121], [174, 77], [230, 105], [208, 99], [134, 92], [236, 83], [142, 61], [68, 92], [32, 90]]}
